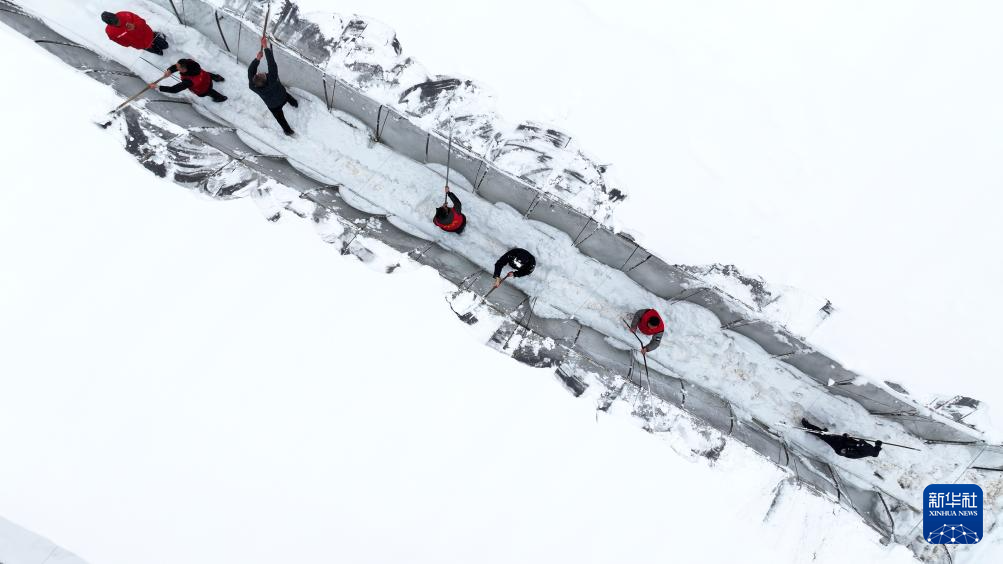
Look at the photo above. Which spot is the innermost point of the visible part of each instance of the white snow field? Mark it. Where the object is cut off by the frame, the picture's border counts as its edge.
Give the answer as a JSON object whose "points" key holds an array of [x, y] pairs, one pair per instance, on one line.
{"points": [[188, 383], [400, 183], [846, 148]]}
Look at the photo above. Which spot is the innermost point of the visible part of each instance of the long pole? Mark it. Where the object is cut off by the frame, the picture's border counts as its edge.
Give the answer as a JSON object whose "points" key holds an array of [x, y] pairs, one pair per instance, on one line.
{"points": [[449, 157], [137, 95], [645, 358], [264, 28]]}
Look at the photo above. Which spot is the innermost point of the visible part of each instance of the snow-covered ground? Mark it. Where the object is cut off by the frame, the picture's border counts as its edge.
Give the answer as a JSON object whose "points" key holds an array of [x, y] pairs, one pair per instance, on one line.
{"points": [[848, 149], [565, 284], [187, 382], [420, 287]]}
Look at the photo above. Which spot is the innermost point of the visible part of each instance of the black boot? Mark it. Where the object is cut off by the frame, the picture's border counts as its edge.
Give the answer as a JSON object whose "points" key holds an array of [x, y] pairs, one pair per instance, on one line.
{"points": [[217, 78], [292, 101]]}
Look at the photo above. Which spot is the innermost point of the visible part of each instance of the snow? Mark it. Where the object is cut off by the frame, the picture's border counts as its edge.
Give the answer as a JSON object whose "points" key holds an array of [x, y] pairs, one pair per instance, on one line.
{"points": [[848, 149], [565, 283], [189, 383], [209, 281]]}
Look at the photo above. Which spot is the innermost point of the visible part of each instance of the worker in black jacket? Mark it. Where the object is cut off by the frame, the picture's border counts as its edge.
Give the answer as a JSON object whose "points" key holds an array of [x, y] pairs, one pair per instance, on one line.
{"points": [[844, 445], [193, 78], [520, 260], [269, 88]]}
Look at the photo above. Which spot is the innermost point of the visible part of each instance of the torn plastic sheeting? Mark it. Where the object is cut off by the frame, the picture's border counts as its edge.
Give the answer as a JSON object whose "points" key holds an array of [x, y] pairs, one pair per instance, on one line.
{"points": [[765, 335]]}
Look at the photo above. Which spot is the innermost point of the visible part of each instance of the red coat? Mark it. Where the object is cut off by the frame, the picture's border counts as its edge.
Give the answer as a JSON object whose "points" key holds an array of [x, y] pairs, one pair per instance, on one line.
{"points": [[456, 223], [645, 318], [141, 37], [201, 82]]}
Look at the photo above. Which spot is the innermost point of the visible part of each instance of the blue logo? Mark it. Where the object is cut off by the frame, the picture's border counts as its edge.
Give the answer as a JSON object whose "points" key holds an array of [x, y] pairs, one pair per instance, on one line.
{"points": [[952, 514]]}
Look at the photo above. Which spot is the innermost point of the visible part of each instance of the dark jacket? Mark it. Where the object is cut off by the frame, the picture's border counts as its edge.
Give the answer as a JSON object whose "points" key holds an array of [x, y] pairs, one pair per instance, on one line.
{"points": [[193, 69], [526, 263], [273, 93], [844, 445], [850, 447]]}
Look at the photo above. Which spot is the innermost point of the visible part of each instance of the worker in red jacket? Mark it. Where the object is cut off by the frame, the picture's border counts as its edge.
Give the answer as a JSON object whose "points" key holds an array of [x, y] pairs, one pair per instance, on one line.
{"points": [[129, 30], [650, 323], [194, 78], [450, 219]]}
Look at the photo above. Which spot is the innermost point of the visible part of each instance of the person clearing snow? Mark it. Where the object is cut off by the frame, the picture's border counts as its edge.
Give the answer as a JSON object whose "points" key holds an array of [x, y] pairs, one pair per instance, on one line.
{"points": [[194, 78], [129, 30], [844, 445], [451, 219], [268, 87], [650, 323], [518, 259]]}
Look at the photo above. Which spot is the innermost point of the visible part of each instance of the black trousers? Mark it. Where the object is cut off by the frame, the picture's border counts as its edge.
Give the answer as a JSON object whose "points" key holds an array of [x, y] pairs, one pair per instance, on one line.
{"points": [[159, 44], [216, 96], [281, 117]]}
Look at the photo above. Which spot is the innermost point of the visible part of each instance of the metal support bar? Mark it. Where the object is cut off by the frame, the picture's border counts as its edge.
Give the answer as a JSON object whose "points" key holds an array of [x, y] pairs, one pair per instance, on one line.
{"points": [[221, 36]]}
